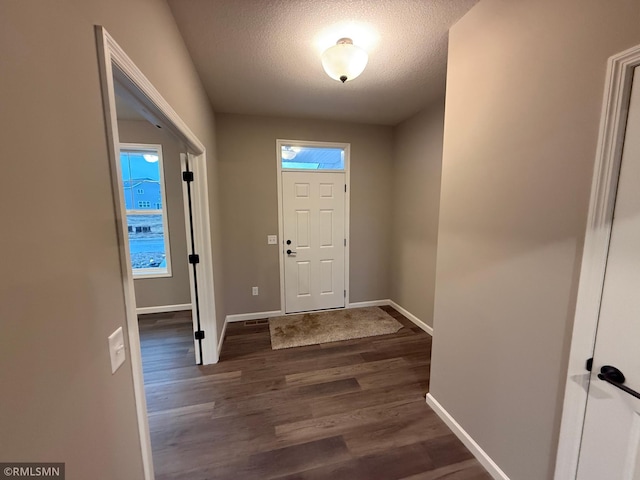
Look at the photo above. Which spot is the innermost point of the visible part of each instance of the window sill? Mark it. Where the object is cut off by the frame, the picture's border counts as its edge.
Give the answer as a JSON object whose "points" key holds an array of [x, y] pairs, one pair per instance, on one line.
{"points": [[140, 275]]}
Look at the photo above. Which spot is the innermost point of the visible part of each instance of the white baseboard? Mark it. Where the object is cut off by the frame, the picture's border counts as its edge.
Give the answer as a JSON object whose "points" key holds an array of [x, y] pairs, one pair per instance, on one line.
{"points": [[222, 334], [163, 309], [371, 303], [411, 317], [241, 317], [486, 461]]}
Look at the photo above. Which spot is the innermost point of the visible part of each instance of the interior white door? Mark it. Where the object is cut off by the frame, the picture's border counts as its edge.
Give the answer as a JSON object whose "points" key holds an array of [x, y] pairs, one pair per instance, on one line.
{"points": [[611, 437], [313, 205]]}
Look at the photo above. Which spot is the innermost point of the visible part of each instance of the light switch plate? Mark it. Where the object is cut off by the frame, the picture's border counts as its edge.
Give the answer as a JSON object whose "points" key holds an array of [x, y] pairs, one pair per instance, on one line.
{"points": [[272, 239], [116, 349]]}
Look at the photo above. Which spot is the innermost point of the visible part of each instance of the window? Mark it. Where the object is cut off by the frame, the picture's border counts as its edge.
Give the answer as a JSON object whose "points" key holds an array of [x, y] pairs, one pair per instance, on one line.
{"points": [[144, 192], [296, 157]]}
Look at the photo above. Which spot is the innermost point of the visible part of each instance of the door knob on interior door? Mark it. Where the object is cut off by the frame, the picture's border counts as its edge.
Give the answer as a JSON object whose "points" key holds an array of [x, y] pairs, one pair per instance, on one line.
{"points": [[616, 378], [291, 253]]}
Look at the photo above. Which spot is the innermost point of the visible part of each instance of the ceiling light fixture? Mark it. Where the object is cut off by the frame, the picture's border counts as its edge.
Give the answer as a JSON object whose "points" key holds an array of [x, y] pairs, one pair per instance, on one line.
{"points": [[344, 61]]}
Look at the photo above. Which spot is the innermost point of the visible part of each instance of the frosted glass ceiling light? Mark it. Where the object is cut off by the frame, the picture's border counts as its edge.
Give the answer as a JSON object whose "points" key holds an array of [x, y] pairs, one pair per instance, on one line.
{"points": [[344, 61]]}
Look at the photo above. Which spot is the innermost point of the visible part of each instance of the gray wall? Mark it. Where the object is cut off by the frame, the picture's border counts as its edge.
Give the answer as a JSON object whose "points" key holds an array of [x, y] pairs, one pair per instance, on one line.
{"points": [[247, 162], [60, 288], [417, 164], [174, 290], [524, 93]]}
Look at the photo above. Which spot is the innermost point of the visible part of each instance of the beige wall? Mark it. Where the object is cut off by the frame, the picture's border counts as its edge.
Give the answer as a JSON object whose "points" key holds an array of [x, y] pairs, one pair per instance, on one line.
{"points": [[247, 162], [174, 290], [60, 288], [524, 92], [417, 164]]}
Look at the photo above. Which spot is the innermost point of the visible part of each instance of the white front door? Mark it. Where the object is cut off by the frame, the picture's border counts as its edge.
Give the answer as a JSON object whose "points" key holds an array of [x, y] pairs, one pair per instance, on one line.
{"points": [[313, 212], [611, 437]]}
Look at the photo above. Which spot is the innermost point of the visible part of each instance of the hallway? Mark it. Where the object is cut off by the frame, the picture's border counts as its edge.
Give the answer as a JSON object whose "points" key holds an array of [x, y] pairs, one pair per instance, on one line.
{"points": [[352, 409]]}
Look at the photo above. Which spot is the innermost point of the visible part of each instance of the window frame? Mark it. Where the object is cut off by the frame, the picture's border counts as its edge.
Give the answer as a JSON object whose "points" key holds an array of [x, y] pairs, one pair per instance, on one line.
{"points": [[155, 272]]}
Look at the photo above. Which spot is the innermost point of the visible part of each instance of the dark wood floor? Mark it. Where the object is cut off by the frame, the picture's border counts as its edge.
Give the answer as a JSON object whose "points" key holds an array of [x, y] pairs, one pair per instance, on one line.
{"points": [[345, 410]]}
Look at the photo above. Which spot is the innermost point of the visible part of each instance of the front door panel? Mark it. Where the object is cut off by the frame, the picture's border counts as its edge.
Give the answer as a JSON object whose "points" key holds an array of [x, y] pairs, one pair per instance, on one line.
{"points": [[314, 222]]}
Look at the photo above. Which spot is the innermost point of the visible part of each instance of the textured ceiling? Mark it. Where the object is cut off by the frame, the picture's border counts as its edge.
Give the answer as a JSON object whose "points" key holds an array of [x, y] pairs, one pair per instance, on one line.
{"points": [[263, 56]]}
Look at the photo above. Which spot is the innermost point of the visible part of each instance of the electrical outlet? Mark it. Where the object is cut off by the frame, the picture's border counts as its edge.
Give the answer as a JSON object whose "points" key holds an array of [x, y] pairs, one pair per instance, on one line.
{"points": [[272, 239], [254, 291]]}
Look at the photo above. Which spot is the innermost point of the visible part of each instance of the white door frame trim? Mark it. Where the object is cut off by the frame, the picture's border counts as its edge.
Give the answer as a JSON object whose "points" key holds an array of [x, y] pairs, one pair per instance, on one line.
{"points": [[594, 258], [202, 240], [117, 69], [347, 200]]}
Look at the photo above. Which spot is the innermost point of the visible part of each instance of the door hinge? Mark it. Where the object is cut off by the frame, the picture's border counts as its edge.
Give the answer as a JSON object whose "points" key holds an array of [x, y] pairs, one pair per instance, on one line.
{"points": [[345, 294], [187, 176], [199, 335], [345, 188], [345, 242], [589, 365], [194, 258]]}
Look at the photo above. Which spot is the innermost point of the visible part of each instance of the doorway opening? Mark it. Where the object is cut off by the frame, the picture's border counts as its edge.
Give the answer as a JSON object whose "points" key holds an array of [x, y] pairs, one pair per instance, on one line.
{"points": [[313, 221], [159, 222], [122, 80]]}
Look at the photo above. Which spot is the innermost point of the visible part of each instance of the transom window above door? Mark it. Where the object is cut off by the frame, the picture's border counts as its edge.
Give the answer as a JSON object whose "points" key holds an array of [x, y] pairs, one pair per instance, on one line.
{"points": [[301, 157]]}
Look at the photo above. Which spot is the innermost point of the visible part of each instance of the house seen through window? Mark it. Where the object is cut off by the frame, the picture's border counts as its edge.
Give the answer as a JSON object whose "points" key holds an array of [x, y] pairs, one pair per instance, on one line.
{"points": [[143, 187]]}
